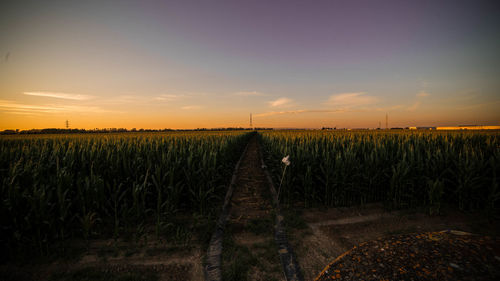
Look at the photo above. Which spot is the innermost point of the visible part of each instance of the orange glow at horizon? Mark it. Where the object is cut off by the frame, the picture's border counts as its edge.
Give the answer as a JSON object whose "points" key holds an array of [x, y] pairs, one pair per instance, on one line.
{"points": [[150, 116]]}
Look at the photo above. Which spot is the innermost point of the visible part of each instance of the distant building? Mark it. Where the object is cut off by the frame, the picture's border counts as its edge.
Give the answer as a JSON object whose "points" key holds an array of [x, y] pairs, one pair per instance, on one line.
{"points": [[470, 127], [422, 128]]}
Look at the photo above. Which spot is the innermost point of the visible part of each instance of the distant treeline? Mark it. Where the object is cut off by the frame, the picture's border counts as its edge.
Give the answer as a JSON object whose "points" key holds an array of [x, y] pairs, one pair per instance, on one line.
{"points": [[113, 130]]}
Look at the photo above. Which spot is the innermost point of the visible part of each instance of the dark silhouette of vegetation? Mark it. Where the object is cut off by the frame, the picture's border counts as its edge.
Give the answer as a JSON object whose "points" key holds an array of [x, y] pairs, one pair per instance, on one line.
{"points": [[55, 189], [115, 130], [403, 169]]}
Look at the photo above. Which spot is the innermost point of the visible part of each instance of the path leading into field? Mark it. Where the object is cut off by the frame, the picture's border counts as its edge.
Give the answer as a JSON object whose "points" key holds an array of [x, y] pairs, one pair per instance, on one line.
{"points": [[249, 237]]}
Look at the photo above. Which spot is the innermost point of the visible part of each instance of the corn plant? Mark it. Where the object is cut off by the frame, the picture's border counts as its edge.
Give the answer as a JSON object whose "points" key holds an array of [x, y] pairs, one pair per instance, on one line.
{"points": [[59, 187], [403, 169]]}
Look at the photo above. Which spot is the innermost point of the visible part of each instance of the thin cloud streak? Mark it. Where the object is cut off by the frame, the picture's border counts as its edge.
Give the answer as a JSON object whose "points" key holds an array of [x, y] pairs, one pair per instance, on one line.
{"points": [[190, 107], [168, 97], [420, 96], [394, 107], [66, 96], [124, 99], [351, 99], [281, 102], [9, 106], [272, 113], [23, 113]]}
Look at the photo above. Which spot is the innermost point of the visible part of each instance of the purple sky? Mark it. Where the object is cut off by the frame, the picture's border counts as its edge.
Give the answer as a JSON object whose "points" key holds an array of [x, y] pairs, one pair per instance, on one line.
{"points": [[288, 62]]}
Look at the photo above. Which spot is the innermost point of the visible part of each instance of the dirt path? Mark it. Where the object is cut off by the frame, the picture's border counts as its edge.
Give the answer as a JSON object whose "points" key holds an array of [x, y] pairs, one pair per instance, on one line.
{"points": [[116, 260], [249, 248]]}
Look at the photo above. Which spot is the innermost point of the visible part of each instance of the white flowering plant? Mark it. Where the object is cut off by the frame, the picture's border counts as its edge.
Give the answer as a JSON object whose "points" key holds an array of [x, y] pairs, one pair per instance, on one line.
{"points": [[286, 162]]}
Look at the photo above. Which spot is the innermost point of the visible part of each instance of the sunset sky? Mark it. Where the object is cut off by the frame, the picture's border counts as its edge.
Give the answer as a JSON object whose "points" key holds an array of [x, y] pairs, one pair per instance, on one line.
{"points": [[301, 64]]}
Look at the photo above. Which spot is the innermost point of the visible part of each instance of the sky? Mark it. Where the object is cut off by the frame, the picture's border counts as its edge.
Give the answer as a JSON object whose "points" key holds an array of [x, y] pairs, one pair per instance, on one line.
{"points": [[292, 64]]}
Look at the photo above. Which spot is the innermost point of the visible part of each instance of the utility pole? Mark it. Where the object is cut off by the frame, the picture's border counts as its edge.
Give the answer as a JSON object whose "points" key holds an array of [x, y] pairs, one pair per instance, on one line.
{"points": [[386, 121], [251, 125], [67, 124]]}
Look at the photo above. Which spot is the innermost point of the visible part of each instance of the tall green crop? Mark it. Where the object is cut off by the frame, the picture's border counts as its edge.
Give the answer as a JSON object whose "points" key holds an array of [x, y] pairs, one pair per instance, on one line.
{"points": [[403, 169], [55, 187]]}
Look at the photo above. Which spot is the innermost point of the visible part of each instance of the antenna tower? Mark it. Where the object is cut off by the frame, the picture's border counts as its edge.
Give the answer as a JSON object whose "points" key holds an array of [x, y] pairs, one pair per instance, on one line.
{"points": [[251, 126], [67, 124], [387, 121]]}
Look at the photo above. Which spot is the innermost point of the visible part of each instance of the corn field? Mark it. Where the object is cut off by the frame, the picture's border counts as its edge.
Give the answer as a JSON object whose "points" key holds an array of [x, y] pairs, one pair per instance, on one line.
{"points": [[58, 187], [403, 169], [55, 188]]}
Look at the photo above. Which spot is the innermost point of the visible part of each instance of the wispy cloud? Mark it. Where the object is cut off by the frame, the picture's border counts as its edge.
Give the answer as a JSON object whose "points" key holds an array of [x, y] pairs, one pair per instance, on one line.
{"points": [[13, 107], [249, 94], [281, 102], [420, 96], [168, 97], [272, 113], [351, 99], [66, 96], [392, 107], [279, 113], [191, 107], [24, 113], [125, 99]]}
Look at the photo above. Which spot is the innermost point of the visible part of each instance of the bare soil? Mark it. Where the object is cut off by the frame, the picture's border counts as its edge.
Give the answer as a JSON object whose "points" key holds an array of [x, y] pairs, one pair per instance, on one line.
{"points": [[447, 255], [161, 260], [250, 225], [330, 233]]}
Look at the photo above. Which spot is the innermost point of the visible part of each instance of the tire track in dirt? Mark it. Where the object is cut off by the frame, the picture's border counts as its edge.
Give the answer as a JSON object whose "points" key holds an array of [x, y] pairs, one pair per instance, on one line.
{"points": [[289, 261], [248, 248], [251, 220]]}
